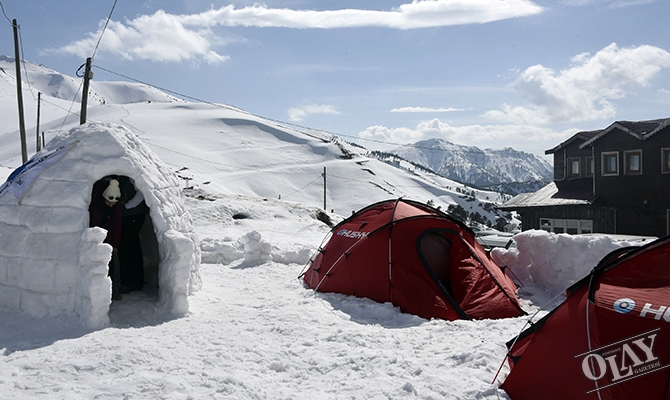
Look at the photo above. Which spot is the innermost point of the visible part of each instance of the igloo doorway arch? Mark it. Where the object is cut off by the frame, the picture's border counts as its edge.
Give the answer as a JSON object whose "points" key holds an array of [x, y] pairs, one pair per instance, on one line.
{"points": [[137, 269], [52, 263]]}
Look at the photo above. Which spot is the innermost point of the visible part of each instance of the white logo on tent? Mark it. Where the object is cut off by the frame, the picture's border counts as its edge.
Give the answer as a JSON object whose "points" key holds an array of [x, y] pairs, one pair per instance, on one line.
{"points": [[624, 360]]}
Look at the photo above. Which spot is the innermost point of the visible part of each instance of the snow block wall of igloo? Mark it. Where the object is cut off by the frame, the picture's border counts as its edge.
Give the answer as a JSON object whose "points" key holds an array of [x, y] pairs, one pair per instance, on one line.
{"points": [[52, 263]]}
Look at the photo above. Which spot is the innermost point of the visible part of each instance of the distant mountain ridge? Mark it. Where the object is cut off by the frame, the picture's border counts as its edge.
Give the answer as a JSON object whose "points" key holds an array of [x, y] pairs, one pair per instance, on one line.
{"points": [[503, 170]]}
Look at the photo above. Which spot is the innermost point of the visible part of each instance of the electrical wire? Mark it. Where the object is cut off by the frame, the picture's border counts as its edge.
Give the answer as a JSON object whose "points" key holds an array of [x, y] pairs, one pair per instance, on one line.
{"points": [[109, 17], [296, 191], [5, 14]]}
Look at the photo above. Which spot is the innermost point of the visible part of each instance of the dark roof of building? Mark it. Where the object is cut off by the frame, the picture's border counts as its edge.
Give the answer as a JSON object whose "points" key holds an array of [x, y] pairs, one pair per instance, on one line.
{"points": [[638, 129], [583, 136]]}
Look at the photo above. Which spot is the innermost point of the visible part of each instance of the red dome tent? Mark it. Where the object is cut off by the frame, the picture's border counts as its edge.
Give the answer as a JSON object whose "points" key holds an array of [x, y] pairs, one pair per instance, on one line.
{"points": [[418, 259], [609, 339]]}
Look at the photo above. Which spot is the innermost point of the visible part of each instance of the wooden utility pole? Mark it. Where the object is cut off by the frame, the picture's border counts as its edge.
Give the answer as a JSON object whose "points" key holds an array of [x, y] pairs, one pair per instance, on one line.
{"points": [[19, 93], [38, 146], [84, 96], [324, 188]]}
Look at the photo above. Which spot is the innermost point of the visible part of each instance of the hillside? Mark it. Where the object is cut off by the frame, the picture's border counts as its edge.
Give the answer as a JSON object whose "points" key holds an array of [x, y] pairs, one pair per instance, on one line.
{"points": [[234, 145]]}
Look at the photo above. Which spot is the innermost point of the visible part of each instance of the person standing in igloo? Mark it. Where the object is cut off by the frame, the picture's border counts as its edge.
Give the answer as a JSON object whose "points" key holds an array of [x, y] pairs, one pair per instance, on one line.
{"points": [[106, 211], [131, 258]]}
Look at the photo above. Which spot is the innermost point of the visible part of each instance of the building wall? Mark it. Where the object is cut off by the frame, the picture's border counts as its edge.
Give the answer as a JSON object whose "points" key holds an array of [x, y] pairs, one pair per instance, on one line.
{"points": [[604, 218], [562, 160], [641, 200]]}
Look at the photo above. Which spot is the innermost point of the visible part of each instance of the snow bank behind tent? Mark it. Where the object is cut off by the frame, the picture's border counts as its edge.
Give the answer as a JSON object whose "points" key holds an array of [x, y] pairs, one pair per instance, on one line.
{"points": [[556, 261], [52, 263]]}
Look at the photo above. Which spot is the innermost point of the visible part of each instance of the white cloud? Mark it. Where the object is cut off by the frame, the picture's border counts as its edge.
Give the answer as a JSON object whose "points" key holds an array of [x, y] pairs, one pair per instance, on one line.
{"points": [[425, 109], [168, 37], [297, 114], [631, 3], [521, 137], [586, 90], [157, 37], [610, 4], [417, 14]]}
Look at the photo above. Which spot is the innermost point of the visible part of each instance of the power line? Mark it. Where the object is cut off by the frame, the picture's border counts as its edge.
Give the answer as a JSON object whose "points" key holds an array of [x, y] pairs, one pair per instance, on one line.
{"points": [[4, 13], [103, 30], [225, 106], [298, 190]]}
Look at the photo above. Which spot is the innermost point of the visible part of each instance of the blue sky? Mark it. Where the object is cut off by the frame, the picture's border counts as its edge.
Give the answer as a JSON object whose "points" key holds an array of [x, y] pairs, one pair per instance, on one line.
{"points": [[488, 73]]}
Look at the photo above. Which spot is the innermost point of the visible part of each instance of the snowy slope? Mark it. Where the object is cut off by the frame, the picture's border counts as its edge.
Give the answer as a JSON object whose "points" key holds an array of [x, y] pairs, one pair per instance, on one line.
{"points": [[254, 331], [50, 83], [219, 147]]}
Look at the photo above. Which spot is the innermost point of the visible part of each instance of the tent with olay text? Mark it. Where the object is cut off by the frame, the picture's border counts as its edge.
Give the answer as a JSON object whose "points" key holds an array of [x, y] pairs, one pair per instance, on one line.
{"points": [[609, 339], [417, 258]]}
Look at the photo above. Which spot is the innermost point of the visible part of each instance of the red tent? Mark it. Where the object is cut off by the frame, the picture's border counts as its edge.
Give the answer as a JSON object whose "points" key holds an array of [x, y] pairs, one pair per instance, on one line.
{"points": [[417, 258], [609, 339]]}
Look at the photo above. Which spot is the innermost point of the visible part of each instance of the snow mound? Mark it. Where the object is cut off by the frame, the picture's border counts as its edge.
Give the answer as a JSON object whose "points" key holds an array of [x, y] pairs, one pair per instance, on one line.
{"points": [[556, 261]]}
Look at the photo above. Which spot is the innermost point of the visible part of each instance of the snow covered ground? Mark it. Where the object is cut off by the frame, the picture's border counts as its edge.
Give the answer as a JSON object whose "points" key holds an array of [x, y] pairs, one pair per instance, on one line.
{"points": [[254, 331]]}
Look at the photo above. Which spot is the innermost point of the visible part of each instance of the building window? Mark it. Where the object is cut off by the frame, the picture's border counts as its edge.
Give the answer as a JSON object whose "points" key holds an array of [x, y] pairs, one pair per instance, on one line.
{"points": [[633, 160], [573, 167], [589, 166], [665, 159], [570, 226], [610, 163], [559, 226], [545, 224]]}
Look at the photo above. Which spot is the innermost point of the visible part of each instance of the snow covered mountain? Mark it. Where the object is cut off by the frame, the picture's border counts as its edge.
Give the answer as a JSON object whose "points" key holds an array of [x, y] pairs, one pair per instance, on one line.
{"points": [[503, 170], [237, 146]]}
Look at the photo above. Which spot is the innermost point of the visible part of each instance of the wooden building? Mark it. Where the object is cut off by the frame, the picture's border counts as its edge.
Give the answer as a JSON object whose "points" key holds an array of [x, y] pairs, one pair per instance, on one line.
{"points": [[615, 180]]}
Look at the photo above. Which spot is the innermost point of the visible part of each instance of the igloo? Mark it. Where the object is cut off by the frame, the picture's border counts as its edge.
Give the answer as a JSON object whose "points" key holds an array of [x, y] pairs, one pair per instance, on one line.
{"points": [[52, 263]]}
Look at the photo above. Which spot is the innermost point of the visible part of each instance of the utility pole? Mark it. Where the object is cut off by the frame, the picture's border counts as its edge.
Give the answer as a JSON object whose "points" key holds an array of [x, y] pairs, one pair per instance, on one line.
{"points": [[38, 146], [324, 188], [19, 93], [84, 96]]}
